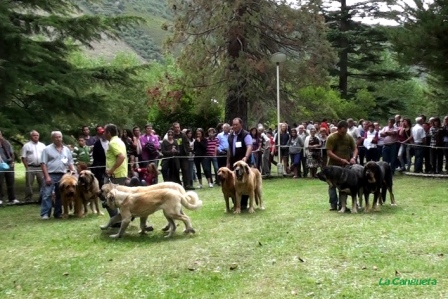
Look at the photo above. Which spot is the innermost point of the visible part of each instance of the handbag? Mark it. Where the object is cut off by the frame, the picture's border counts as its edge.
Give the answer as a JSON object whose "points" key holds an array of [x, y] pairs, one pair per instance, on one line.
{"points": [[4, 166]]}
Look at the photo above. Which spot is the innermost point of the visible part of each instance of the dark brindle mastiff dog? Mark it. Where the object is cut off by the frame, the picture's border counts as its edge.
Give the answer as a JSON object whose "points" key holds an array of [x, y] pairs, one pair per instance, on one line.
{"points": [[349, 181], [378, 179]]}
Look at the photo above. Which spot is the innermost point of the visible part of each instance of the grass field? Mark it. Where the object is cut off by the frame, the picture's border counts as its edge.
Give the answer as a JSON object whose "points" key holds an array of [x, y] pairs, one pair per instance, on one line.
{"points": [[295, 248]]}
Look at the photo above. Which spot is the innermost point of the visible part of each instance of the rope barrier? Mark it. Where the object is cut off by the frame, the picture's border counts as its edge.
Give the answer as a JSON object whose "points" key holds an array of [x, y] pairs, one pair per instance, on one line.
{"points": [[258, 150]]}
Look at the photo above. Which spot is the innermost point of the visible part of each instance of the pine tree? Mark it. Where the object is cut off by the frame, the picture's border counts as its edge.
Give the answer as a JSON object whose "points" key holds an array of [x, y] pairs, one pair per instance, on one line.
{"points": [[360, 46], [228, 45], [37, 81]]}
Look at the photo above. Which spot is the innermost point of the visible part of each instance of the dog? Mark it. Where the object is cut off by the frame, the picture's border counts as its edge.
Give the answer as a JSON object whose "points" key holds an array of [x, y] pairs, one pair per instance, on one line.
{"points": [[227, 178], [248, 182], [387, 182], [68, 188], [143, 204], [89, 190], [347, 180], [168, 185]]}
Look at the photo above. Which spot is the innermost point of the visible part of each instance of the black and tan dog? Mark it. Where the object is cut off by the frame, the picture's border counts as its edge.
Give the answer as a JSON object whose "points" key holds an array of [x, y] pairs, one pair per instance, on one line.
{"points": [[378, 180], [348, 180]]}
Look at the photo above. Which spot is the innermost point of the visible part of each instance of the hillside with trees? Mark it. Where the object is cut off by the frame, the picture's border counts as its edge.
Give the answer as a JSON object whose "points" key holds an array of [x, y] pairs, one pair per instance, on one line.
{"points": [[147, 38]]}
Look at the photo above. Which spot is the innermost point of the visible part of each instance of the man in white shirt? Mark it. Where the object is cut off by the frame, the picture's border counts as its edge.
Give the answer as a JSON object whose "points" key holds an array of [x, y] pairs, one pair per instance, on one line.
{"points": [[419, 138], [31, 158]]}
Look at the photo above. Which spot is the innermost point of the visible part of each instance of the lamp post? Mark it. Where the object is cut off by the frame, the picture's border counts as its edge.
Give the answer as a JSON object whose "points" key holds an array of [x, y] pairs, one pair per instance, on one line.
{"points": [[277, 58]]}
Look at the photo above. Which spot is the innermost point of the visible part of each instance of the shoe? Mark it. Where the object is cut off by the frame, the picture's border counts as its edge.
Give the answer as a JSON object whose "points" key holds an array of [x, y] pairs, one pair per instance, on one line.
{"points": [[190, 188], [199, 187], [333, 207], [15, 201], [1, 202], [45, 217], [210, 185]]}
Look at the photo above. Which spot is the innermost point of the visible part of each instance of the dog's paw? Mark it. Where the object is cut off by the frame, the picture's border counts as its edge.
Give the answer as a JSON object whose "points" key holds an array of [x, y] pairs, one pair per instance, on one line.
{"points": [[142, 232], [166, 228], [103, 227], [251, 210], [189, 230], [354, 211], [237, 211], [262, 208], [393, 204], [115, 236], [100, 213], [65, 216], [342, 210]]}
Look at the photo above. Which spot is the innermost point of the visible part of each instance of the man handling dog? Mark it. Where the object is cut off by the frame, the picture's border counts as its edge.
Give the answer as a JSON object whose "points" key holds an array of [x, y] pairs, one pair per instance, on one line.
{"points": [[116, 160], [240, 149], [341, 151]]}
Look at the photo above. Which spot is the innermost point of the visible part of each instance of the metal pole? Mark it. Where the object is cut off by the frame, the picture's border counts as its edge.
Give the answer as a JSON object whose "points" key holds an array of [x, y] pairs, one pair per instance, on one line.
{"points": [[278, 114]]}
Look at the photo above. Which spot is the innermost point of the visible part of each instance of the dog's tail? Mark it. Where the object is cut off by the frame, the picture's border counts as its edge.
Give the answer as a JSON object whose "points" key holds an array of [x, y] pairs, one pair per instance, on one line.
{"points": [[191, 201]]}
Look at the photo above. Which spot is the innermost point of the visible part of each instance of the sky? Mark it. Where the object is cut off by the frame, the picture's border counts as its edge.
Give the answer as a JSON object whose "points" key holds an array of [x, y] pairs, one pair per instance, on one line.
{"points": [[336, 4]]}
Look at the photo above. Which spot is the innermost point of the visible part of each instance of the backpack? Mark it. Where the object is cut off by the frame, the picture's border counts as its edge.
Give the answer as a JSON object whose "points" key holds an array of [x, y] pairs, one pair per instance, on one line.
{"points": [[151, 148]]}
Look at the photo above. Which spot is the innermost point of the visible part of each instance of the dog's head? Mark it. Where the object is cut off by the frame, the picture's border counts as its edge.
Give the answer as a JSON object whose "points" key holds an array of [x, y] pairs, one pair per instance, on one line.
{"points": [[223, 173], [241, 169], [68, 184], [82, 166], [86, 178], [110, 199], [327, 175], [370, 171]]}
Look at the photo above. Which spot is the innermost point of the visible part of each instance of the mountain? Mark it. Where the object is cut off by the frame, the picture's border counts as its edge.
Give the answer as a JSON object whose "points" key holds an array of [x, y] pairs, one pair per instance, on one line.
{"points": [[147, 39]]}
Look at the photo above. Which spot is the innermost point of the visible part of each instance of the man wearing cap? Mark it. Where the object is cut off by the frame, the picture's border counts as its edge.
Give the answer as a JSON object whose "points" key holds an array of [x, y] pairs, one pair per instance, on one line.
{"points": [[31, 154]]}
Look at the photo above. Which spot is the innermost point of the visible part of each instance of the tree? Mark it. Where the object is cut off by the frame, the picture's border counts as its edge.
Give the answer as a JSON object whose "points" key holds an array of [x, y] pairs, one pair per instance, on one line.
{"points": [[38, 83], [228, 44], [360, 46], [422, 40]]}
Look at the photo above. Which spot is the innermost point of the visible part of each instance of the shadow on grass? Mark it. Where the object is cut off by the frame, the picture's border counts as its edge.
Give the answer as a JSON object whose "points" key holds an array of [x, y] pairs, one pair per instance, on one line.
{"points": [[132, 236]]}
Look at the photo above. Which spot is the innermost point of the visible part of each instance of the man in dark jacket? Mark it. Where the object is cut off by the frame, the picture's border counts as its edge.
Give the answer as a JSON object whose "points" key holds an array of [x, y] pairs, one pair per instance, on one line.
{"points": [[184, 150], [240, 148]]}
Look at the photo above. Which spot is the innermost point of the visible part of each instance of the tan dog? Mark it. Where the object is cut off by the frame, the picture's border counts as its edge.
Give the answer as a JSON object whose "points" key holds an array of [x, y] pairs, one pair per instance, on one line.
{"points": [[146, 203], [248, 182], [227, 178], [168, 185], [68, 188], [89, 189]]}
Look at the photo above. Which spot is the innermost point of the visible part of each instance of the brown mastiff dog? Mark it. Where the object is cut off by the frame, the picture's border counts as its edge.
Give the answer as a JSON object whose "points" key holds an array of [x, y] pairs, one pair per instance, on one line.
{"points": [[88, 189], [68, 187], [248, 182], [227, 178]]}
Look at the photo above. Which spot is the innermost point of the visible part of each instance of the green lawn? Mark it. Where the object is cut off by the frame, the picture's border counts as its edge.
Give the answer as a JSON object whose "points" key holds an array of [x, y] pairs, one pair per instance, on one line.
{"points": [[295, 248]]}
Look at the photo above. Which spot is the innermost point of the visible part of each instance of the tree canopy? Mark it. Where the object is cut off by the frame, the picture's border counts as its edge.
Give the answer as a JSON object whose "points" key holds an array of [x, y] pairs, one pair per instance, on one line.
{"points": [[228, 44], [39, 84]]}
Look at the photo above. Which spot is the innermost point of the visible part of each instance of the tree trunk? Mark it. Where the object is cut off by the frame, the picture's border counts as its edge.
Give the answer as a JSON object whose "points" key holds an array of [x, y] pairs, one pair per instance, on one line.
{"points": [[343, 54], [236, 104]]}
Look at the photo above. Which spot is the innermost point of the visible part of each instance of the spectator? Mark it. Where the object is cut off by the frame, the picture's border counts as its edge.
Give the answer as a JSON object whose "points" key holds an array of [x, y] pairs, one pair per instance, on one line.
{"points": [[31, 158], [7, 156]]}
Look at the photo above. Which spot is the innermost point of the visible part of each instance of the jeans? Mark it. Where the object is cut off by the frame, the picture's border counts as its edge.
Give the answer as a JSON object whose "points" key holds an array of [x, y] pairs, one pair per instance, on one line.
{"points": [[419, 154], [212, 161], [405, 152], [47, 197], [390, 155], [8, 177], [436, 159], [332, 192]]}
